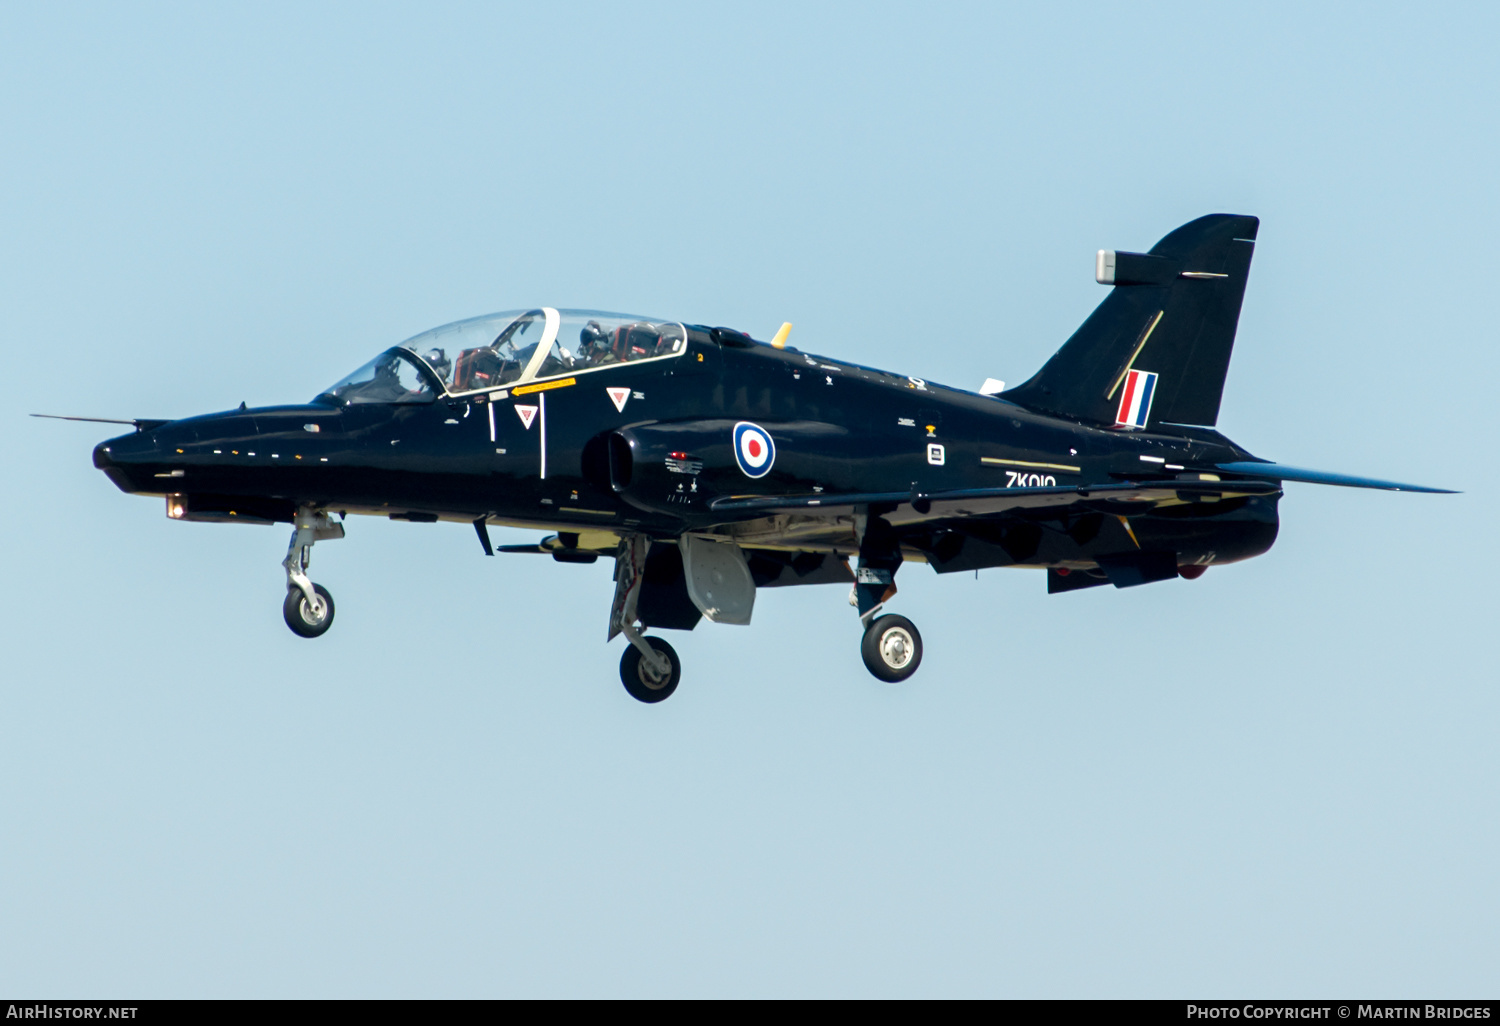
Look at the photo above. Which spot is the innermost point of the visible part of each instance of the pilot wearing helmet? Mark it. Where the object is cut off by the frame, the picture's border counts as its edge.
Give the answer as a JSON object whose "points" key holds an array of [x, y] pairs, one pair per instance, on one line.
{"points": [[594, 345], [439, 362]]}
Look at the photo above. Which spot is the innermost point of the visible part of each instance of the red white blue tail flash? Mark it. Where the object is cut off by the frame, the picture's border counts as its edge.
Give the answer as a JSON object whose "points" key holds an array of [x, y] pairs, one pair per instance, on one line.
{"points": [[753, 449], [1135, 401]]}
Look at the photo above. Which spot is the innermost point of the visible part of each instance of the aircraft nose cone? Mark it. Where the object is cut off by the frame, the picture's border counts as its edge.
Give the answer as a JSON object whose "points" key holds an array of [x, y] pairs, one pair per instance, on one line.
{"points": [[131, 448], [124, 460], [103, 458]]}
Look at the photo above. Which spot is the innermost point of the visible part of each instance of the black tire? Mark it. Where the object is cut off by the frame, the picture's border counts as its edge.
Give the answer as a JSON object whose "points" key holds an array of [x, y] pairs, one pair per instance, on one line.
{"points": [[299, 615], [892, 648], [644, 687]]}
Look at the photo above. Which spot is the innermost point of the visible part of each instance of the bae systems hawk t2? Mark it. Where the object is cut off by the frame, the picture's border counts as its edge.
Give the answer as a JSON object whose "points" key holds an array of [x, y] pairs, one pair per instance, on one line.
{"points": [[709, 465]]}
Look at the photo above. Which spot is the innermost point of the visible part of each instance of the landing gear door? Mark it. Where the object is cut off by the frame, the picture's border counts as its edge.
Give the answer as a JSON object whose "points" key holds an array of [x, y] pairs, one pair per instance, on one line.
{"points": [[718, 579], [630, 571]]}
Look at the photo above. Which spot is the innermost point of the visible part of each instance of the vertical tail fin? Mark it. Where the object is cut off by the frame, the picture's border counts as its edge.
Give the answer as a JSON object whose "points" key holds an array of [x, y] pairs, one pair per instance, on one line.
{"points": [[1156, 351]]}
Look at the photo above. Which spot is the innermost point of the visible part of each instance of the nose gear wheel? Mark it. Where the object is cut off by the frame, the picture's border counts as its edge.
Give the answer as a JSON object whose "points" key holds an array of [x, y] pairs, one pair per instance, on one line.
{"points": [[302, 617]]}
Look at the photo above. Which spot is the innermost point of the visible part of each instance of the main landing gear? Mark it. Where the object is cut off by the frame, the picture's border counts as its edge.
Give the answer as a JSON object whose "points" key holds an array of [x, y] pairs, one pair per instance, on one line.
{"points": [[308, 609], [891, 647], [647, 683], [649, 669]]}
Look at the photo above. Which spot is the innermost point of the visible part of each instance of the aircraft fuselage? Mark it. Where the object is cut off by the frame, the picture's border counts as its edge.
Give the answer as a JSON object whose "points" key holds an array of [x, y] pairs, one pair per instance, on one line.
{"points": [[593, 452]]}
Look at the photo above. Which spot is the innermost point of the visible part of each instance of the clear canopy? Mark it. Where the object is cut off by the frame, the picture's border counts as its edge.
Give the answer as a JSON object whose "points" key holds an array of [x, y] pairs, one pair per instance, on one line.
{"points": [[503, 348], [482, 352], [392, 377], [592, 338]]}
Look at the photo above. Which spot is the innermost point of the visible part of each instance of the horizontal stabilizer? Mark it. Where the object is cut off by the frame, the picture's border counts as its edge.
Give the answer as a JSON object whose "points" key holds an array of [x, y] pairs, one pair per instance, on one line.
{"points": [[1278, 472]]}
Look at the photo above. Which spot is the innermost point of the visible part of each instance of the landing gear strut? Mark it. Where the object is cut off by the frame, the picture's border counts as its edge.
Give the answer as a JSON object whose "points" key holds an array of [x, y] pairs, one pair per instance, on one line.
{"points": [[649, 669], [308, 609], [891, 647]]}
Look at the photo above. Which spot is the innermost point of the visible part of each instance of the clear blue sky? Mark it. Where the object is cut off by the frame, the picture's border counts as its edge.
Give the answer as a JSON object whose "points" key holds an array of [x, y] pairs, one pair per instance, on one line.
{"points": [[1278, 780]]}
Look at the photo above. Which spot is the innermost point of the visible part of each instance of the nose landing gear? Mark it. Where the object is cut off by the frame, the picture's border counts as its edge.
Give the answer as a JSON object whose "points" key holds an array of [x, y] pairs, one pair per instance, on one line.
{"points": [[308, 609]]}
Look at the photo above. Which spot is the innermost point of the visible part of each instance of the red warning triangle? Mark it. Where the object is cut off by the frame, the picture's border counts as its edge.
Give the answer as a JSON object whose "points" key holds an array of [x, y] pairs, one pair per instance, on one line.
{"points": [[527, 414], [618, 396]]}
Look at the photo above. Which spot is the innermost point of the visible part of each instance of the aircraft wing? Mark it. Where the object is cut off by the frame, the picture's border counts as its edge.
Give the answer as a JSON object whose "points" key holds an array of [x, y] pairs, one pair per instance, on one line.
{"points": [[918, 507]]}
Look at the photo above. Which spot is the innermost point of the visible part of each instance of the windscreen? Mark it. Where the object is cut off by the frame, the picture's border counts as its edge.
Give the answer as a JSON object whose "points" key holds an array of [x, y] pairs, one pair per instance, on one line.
{"points": [[392, 377]]}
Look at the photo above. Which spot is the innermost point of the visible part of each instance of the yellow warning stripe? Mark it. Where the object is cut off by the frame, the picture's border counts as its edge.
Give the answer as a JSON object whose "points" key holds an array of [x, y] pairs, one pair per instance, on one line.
{"points": [[543, 386], [1024, 463], [1145, 336]]}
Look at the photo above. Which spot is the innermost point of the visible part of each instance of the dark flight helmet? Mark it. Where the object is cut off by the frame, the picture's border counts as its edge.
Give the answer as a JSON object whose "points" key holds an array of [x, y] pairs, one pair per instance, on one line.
{"points": [[593, 341]]}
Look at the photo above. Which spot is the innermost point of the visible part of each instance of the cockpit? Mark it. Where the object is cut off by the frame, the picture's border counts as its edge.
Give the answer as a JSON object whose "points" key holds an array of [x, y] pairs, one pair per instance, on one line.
{"points": [[514, 347]]}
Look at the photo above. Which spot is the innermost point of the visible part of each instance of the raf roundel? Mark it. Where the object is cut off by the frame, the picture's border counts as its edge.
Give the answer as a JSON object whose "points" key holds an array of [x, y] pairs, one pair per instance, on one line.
{"points": [[753, 449]]}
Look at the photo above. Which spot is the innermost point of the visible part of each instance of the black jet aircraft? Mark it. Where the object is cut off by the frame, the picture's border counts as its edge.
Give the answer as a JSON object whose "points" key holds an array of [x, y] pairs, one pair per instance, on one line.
{"points": [[709, 465]]}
